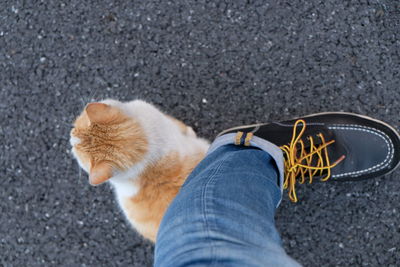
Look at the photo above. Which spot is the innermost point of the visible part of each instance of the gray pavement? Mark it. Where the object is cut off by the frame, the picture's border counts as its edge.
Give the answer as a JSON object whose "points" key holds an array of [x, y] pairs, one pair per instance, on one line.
{"points": [[212, 64]]}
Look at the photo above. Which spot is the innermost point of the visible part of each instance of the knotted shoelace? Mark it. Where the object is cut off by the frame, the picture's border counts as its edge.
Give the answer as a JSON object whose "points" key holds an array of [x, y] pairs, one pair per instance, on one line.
{"points": [[301, 162]]}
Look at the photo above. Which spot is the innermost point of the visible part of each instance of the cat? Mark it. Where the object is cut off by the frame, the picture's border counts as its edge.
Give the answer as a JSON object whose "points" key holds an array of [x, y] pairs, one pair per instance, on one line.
{"points": [[143, 153]]}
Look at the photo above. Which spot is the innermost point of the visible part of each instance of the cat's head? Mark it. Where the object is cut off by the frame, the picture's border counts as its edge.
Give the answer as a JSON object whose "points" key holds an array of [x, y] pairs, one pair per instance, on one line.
{"points": [[106, 141]]}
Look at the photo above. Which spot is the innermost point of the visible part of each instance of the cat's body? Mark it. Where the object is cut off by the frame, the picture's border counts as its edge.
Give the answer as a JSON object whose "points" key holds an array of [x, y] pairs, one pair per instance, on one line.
{"points": [[145, 154]]}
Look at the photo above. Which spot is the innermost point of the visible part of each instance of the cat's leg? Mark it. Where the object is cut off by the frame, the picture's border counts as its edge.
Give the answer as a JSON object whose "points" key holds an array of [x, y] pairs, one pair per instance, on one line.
{"points": [[186, 130]]}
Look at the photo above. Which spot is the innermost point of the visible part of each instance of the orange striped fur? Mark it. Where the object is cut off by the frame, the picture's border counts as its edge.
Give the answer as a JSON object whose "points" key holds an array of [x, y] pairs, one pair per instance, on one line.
{"points": [[159, 185]]}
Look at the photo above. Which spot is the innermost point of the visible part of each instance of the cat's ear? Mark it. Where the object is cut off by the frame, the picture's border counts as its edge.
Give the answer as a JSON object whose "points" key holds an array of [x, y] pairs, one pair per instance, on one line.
{"points": [[100, 113], [100, 172]]}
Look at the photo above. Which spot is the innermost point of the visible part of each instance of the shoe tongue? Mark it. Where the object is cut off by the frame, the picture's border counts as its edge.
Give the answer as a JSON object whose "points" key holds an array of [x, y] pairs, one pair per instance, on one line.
{"points": [[335, 150], [281, 134], [314, 134]]}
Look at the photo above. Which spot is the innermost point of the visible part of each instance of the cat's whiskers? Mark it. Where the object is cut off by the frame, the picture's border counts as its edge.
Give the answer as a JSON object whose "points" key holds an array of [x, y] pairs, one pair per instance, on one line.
{"points": [[81, 98], [83, 101], [93, 95], [69, 124]]}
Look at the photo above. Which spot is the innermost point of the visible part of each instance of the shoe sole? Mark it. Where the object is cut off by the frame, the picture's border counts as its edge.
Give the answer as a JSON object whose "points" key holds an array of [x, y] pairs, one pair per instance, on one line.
{"points": [[324, 113]]}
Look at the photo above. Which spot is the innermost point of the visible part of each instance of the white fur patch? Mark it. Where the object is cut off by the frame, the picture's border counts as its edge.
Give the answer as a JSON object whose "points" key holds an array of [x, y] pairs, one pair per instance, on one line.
{"points": [[74, 140], [124, 188], [124, 182]]}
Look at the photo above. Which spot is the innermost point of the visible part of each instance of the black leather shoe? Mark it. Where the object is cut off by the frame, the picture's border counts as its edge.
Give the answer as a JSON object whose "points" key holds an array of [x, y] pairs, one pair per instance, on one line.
{"points": [[340, 146]]}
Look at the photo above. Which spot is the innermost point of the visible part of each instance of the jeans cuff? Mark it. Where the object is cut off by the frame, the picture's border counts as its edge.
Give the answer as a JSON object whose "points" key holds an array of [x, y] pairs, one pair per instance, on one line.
{"points": [[274, 151]]}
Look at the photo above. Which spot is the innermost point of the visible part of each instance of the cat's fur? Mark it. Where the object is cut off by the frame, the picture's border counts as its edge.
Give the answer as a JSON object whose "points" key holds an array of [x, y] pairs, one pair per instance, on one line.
{"points": [[145, 154]]}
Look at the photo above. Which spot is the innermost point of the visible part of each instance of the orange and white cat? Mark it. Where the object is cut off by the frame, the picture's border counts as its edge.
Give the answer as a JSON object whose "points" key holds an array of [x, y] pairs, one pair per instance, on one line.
{"points": [[145, 155]]}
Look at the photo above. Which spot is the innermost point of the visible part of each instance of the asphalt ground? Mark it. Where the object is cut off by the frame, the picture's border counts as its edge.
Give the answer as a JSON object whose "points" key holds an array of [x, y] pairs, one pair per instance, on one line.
{"points": [[212, 64]]}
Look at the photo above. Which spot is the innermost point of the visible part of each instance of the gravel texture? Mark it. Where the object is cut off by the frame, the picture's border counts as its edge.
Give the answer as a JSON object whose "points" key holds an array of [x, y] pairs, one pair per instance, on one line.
{"points": [[212, 64]]}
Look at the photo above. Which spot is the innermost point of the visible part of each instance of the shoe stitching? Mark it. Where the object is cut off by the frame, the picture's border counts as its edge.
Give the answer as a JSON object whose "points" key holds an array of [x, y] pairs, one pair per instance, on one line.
{"points": [[376, 132]]}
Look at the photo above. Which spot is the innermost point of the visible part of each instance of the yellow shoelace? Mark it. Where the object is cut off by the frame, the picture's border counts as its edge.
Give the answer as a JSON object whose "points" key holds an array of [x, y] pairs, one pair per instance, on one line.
{"points": [[298, 161]]}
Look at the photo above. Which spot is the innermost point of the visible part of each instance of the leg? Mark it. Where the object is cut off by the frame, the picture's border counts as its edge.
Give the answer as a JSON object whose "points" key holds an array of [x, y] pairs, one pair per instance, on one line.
{"points": [[224, 214]]}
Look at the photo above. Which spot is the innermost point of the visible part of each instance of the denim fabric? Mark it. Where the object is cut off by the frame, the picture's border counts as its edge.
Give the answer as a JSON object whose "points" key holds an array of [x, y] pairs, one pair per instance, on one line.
{"points": [[224, 214], [274, 151]]}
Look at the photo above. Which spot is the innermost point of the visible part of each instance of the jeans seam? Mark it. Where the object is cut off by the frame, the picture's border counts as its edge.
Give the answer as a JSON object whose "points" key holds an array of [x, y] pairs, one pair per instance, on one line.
{"points": [[205, 210], [276, 191]]}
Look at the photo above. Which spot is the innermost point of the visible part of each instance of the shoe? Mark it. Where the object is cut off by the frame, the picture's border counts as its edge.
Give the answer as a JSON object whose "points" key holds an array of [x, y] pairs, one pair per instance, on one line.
{"points": [[331, 145]]}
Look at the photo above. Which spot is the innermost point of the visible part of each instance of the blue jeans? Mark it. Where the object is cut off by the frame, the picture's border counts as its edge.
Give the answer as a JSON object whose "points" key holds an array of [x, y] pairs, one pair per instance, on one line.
{"points": [[224, 214]]}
